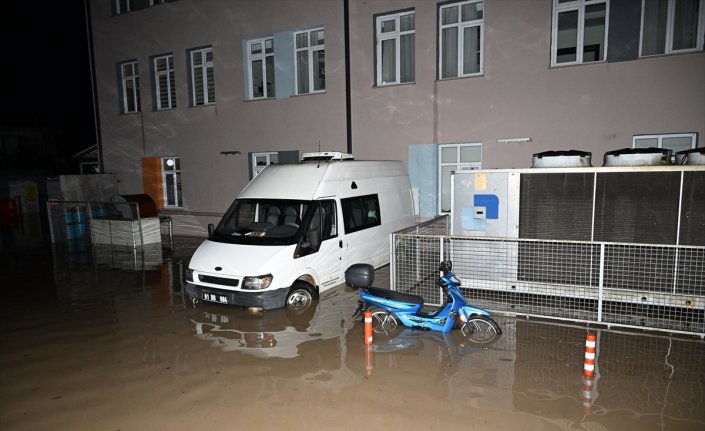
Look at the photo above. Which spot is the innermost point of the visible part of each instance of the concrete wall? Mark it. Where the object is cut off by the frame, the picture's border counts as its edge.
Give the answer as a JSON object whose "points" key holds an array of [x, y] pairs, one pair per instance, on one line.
{"points": [[592, 107], [198, 134]]}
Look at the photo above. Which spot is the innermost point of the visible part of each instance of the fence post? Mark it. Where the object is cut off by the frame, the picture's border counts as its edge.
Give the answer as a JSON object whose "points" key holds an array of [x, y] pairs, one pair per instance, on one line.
{"points": [[602, 280]]}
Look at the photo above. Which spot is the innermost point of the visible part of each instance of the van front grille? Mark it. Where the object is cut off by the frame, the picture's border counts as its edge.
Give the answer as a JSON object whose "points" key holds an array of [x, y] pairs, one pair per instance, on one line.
{"points": [[218, 280]]}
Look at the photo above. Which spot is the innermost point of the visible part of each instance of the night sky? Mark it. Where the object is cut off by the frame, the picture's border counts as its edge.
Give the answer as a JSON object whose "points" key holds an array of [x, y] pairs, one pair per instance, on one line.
{"points": [[45, 69]]}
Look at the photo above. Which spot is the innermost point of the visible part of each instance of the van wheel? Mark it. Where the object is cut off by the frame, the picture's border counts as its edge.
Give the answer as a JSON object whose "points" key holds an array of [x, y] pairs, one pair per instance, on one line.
{"points": [[299, 298]]}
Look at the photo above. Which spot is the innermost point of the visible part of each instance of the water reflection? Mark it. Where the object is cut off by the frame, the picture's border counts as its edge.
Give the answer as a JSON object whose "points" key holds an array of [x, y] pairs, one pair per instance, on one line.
{"points": [[532, 375], [450, 347], [273, 333]]}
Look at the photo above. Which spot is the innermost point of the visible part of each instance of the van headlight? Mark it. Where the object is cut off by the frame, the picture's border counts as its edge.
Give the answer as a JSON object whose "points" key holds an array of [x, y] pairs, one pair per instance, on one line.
{"points": [[189, 275], [257, 283]]}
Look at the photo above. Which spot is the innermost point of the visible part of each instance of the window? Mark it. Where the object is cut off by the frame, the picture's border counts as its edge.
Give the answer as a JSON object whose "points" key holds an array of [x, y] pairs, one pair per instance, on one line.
{"points": [[360, 213], [460, 40], [671, 26], [310, 61], [262, 160], [579, 31], [130, 87], [260, 58], [86, 168], [453, 158], [323, 219], [164, 86], [675, 142], [171, 177], [395, 36], [202, 80]]}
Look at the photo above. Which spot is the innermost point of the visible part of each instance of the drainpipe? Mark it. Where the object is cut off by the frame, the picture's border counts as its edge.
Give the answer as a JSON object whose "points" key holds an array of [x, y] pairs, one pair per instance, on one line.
{"points": [[94, 89], [348, 103]]}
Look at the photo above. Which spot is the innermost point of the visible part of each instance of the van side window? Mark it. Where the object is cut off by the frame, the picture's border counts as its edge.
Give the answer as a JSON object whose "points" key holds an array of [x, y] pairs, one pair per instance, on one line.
{"points": [[361, 212], [321, 226], [323, 220]]}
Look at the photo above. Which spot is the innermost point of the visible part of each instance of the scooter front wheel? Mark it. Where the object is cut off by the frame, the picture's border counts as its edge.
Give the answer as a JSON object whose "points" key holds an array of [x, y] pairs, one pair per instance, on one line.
{"points": [[384, 322], [481, 330]]}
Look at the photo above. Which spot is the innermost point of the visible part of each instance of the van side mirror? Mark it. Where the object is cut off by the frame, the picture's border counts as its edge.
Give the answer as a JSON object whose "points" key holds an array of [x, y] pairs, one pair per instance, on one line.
{"points": [[211, 229]]}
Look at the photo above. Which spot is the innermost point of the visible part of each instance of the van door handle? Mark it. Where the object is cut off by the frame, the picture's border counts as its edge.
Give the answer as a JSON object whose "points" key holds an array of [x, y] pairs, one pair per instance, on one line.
{"points": [[340, 243]]}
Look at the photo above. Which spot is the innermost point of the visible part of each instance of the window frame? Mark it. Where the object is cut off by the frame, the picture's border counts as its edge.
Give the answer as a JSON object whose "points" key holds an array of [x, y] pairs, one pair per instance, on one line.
{"points": [[661, 136], [670, 29], [176, 173], [462, 166], [309, 49], [345, 205], [251, 58], [271, 157], [204, 66], [461, 26], [134, 78], [169, 73], [396, 36], [579, 6]]}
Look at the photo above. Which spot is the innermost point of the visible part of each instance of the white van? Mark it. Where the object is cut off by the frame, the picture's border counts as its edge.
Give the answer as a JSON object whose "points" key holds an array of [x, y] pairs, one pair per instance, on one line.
{"points": [[295, 228]]}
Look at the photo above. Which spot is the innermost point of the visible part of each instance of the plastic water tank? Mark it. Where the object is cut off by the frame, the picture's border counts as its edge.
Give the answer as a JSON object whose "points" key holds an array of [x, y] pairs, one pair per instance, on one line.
{"points": [[638, 157], [562, 159], [695, 156]]}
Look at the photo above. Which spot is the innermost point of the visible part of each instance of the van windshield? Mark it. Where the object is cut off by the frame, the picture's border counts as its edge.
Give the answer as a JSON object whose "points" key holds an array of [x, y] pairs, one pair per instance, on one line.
{"points": [[262, 222]]}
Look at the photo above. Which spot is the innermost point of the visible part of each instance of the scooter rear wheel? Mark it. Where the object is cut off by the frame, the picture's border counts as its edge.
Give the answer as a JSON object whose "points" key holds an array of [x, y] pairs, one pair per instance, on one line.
{"points": [[481, 330]]}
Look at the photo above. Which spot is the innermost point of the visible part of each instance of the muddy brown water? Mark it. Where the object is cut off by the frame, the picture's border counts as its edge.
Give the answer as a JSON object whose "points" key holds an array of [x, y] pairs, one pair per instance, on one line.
{"points": [[111, 347]]}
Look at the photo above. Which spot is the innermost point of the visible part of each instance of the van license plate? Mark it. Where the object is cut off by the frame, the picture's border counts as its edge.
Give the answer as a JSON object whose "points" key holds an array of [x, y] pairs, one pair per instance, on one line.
{"points": [[212, 297]]}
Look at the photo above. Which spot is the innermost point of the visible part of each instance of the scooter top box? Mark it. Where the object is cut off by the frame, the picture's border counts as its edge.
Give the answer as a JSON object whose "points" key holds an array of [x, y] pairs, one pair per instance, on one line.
{"points": [[360, 275]]}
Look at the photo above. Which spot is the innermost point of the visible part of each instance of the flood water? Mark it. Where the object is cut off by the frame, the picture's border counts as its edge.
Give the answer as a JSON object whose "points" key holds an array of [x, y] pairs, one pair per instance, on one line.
{"points": [[111, 347]]}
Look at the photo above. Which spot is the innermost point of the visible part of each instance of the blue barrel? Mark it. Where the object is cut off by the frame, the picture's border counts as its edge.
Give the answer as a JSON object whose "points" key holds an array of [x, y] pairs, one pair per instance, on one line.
{"points": [[99, 212], [76, 222]]}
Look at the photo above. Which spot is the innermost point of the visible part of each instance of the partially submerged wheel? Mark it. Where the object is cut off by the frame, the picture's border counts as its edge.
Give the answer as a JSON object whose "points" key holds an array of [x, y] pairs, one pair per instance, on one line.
{"points": [[384, 322], [299, 298], [481, 330]]}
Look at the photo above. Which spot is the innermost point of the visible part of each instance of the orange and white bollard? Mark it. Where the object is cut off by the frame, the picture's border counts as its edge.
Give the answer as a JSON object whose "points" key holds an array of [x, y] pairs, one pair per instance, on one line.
{"points": [[589, 363], [368, 327], [586, 394], [369, 365]]}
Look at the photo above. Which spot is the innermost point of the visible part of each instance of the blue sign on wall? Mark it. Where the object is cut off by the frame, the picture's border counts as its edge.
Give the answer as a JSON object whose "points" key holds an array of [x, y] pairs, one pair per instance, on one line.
{"points": [[491, 204]]}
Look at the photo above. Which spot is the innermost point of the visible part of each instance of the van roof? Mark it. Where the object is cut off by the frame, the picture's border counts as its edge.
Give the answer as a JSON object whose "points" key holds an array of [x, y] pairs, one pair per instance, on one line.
{"points": [[303, 180]]}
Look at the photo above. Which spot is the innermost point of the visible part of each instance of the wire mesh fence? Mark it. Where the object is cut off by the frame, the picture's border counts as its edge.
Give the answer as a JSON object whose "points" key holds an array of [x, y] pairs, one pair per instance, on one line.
{"points": [[103, 233], [639, 285]]}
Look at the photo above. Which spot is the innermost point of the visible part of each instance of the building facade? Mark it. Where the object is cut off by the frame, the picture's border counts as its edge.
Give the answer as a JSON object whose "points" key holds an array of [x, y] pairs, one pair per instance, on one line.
{"points": [[195, 97]]}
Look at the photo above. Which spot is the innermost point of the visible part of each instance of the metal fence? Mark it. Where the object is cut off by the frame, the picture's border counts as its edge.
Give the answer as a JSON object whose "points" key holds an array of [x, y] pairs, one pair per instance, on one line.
{"points": [[633, 285]]}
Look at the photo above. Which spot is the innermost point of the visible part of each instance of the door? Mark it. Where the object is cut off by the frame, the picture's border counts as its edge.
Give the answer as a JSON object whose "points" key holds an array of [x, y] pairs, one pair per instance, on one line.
{"points": [[326, 260], [454, 158]]}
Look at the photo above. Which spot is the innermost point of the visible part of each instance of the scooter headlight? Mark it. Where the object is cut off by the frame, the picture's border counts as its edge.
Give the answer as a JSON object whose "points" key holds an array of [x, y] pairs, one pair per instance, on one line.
{"points": [[257, 283]]}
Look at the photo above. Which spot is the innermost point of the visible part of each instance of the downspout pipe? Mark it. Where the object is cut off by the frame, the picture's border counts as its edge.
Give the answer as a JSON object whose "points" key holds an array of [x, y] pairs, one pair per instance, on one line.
{"points": [[348, 102], [94, 88]]}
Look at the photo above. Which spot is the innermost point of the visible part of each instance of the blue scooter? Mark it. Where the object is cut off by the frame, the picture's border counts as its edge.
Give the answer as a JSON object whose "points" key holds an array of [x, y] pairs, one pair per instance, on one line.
{"points": [[389, 307]]}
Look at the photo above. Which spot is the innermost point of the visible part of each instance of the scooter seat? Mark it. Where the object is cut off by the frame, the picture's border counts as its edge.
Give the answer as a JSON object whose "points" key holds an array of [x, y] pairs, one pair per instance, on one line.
{"points": [[393, 295]]}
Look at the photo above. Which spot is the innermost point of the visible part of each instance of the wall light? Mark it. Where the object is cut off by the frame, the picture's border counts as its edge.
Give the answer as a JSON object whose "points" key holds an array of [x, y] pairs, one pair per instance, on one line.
{"points": [[512, 140], [230, 153]]}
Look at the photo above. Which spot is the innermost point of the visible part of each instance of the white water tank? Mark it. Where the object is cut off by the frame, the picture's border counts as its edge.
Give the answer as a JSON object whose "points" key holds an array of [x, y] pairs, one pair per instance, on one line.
{"points": [[638, 157], [695, 156], [562, 159]]}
